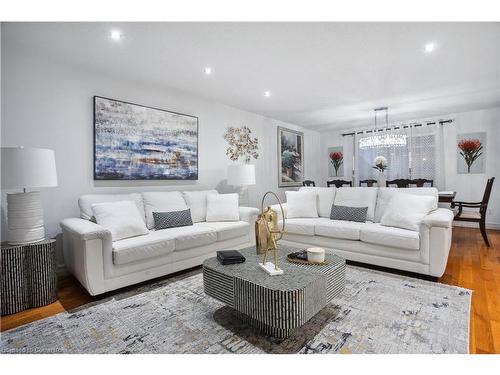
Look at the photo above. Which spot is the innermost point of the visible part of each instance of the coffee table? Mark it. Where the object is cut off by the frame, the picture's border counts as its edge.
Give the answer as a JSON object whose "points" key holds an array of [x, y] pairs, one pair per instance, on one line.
{"points": [[275, 304]]}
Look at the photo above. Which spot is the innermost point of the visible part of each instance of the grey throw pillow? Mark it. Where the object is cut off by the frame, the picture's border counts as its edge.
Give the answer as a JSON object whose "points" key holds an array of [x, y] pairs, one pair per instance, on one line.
{"points": [[173, 219], [347, 213]]}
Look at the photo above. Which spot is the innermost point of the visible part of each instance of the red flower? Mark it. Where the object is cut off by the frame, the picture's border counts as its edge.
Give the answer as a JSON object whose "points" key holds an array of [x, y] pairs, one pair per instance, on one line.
{"points": [[336, 155], [469, 145]]}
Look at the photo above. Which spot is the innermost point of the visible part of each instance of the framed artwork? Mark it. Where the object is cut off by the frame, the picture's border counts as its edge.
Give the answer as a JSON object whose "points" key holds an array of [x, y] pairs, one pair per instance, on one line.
{"points": [[135, 142], [471, 152], [336, 161], [290, 157]]}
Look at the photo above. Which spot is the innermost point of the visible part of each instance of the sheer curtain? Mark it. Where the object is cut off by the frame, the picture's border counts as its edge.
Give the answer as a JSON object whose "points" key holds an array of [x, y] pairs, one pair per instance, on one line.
{"points": [[417, 157]]}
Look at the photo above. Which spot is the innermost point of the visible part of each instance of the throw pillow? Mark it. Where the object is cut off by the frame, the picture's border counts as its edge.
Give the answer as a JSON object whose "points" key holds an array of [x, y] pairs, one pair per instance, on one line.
{"points": [[173, 219], [347, 213], [407, 211], [197, 202], [222, 207], [121, 218], [301, 204]]}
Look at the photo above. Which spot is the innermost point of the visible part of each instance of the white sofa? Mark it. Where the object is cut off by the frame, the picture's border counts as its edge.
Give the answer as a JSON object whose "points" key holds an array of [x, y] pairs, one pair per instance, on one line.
{"points": [[424, 252], [101, 264]]}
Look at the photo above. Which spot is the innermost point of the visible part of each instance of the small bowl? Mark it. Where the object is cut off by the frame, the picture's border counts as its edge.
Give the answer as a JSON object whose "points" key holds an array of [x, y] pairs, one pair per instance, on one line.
{"points": [[316, 254]]}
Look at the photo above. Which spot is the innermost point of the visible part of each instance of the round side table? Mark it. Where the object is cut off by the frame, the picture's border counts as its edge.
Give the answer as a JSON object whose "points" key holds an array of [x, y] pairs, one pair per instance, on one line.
{"points": [[28, 276]]}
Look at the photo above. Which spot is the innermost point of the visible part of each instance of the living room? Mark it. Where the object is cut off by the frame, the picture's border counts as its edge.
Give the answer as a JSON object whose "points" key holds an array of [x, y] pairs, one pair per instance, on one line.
{"points": [[250, 187]]}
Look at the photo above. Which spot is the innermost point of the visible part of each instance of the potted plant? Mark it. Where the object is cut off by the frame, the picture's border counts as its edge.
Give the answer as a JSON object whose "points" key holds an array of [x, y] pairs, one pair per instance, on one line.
{"points": [[337, 159], [470, 149], [380, 164]]}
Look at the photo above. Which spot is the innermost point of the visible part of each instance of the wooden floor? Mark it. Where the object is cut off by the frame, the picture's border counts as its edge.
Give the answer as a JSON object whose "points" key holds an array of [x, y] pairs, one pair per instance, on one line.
{"points": [[471, 265]]}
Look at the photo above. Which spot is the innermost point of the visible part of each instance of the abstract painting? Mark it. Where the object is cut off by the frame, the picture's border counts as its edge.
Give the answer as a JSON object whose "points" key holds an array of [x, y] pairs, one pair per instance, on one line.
{"points": [[471, 152], [290, 157], [336, 161], [135, 142]]}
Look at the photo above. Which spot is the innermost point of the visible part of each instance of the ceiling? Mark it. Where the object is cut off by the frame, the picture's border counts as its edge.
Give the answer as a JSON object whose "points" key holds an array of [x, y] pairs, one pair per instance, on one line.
{"points": [[320, 75]]}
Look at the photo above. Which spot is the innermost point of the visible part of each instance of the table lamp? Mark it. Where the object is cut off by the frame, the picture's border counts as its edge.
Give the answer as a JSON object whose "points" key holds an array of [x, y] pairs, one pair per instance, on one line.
{"points": [[241, 176], [26, 168]]}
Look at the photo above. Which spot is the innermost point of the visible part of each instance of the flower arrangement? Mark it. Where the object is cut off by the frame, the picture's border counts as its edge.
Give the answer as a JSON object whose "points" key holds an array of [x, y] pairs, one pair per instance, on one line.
{"points": [[241, 144], [380, 163], [337, 159], [470, 149]]}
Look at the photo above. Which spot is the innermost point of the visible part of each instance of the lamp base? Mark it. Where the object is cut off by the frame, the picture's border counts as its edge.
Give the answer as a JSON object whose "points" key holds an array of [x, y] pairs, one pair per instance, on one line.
{"points": [[243, 196], [270, 268], [25, 218]]}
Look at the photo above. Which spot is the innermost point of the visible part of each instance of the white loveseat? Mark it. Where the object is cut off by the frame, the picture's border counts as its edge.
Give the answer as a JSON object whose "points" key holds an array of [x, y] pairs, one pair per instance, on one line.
{"points": [[101, 264], [424, 251]]}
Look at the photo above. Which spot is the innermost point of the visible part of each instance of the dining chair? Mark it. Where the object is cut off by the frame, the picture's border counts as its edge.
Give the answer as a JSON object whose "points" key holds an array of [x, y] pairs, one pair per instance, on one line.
{"points": [[399, 182], [476, 216], [338, 183], [308, 183], [369, 182], [420, 182]]}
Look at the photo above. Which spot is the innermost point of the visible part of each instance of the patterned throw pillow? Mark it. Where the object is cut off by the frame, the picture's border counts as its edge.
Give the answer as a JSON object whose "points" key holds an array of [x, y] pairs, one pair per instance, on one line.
{"points": [[349, 213], [173, 219]]}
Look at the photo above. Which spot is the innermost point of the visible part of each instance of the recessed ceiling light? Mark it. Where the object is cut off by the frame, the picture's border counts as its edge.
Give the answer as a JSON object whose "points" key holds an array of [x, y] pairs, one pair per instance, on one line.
{"points": [[116, 35], [267, 94], [429, 47], [208, 70]]}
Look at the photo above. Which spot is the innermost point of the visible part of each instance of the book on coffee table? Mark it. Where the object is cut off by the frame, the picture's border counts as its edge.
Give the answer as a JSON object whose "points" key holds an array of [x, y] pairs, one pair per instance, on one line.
{"points": [[230, 257]]}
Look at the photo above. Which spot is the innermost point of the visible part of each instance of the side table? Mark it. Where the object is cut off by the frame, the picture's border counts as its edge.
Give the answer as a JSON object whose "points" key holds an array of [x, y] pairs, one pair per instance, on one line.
{"points": [[28, 276]]}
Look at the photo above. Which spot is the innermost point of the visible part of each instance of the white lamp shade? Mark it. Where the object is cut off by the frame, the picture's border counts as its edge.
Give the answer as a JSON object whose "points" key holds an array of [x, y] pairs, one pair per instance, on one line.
{"points": [[28, 167], [241, 175]]}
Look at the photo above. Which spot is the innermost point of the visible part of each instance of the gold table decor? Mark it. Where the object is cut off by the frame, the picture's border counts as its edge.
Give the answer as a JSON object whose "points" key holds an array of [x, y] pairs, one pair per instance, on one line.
{"points": [[267, 235], [293, 259]]}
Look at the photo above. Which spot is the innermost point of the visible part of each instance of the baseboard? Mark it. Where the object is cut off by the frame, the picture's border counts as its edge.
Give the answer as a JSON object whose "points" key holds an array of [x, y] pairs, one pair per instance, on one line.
{"points": [[492, 226]]}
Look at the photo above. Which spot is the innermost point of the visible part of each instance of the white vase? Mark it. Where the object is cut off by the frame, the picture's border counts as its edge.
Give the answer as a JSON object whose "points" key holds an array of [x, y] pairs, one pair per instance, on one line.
{"points": [[381, 180]]}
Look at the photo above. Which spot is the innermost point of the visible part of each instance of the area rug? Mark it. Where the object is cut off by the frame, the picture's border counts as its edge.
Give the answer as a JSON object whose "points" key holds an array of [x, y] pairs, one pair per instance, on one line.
{"points": [[377, 313]]}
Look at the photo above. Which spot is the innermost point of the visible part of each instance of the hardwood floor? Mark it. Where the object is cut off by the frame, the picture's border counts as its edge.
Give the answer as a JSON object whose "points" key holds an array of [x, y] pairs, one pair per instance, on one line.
{"points": [[471, 265]]}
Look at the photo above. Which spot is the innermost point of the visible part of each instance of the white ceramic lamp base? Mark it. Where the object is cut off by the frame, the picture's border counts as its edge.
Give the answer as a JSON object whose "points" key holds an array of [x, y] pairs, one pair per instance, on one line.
{"points": [[270, 268], [25, 218]]}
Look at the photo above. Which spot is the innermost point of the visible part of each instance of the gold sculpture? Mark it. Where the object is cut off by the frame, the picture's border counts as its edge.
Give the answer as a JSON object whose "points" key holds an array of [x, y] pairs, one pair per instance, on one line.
{"points": [[267, 235]]}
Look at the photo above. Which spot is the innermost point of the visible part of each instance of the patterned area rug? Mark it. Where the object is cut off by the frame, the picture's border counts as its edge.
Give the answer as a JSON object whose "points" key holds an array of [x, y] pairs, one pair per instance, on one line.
{"points": [[377, 313]]}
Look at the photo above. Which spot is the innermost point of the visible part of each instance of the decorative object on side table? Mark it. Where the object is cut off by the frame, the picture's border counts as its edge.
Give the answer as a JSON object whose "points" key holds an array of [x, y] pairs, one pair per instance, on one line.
{"points": [[267, 235], [241, 146], [380, 164], [23, 168], [28, 277]]}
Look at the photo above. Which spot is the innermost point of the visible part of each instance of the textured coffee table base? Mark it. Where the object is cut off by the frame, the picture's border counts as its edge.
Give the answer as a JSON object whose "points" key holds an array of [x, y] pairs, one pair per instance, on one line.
{"points": [[274, 306]]}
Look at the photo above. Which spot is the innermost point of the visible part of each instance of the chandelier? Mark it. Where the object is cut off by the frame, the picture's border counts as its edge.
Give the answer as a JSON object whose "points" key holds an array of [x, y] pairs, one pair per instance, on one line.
{"points": [[384, 140]]}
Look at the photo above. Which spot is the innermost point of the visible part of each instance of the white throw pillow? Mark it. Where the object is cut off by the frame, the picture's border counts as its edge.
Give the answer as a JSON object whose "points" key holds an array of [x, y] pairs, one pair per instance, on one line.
{"points": [[86, 201], [301, 204], [162, 201], [121, 218], [325, 197], [222, 207], [385, 195], [407, 211], [197, 202]]}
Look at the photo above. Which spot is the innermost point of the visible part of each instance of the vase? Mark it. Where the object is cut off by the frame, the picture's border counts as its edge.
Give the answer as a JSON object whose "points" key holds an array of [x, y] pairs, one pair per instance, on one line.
{"points": [[381, 180]]}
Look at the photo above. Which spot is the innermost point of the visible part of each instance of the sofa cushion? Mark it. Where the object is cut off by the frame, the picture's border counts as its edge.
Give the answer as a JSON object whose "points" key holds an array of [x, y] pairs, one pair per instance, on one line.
{"points": [[154, 244], [193, 236], [304, 227], [162, 201], [121, 218], [385, 194], [228, 229], [197, 202], [358, 197], [324, 198], [223, 207], [348, 230], [390, 236], [301, 204], [86, 201]]}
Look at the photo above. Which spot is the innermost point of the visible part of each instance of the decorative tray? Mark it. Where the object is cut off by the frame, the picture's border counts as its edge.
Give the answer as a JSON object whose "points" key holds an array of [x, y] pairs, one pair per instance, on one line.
{"points": [[292, 257]]}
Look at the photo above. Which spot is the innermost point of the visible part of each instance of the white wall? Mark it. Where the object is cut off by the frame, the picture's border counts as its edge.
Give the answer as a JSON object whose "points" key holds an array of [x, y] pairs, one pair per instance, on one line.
{"points": [[48, 104], [469, 187]]}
